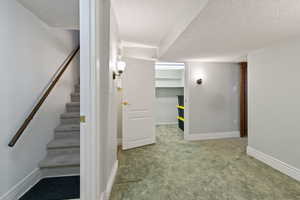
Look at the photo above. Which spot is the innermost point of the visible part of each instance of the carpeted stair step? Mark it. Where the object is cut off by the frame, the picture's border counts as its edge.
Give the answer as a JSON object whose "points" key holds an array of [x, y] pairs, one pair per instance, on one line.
{"points": [[67, 130], [63, 152], [61, 163], [70, 118], [71, 142], [58, 159], [73, 107], [75, 97]]}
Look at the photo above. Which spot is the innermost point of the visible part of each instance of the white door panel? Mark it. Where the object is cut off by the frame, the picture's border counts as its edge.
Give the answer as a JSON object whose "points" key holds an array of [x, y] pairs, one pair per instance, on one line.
{"points": [[139, 95]]}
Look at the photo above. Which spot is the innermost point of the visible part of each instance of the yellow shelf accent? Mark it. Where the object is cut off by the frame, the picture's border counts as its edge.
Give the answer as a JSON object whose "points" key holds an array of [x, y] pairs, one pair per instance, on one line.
{"points": [[180, 107], [180, 118]]}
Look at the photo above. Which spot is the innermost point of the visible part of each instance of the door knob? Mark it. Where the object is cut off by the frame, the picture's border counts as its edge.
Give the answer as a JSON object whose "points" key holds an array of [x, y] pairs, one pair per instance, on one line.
{"points": [[125, 103]]}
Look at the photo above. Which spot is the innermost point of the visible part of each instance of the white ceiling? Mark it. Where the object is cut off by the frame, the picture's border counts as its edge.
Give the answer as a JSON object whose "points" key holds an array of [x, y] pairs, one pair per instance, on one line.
{"points": [[149, 21], [189, 30], [226, 30], [56, 13], [207, 30]]}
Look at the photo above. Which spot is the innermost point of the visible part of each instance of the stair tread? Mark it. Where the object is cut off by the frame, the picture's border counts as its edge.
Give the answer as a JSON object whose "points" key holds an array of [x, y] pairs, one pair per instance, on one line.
{"points": [[63, 143], [75, 94], [68, 127], [64, 151], [73, 104], [64, 159], [70, 115]]}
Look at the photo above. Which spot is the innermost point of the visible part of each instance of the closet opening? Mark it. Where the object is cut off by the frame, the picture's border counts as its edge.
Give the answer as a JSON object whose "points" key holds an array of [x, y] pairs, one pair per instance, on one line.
{"points": [[169, 97]]}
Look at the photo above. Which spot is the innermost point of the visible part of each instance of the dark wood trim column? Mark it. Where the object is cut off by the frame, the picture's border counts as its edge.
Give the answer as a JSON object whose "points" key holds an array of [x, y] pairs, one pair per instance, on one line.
{"points": [[243, 99]]}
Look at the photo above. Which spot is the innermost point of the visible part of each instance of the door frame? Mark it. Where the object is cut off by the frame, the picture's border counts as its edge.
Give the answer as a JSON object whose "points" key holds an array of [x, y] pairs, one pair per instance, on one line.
{"points": [[93, 22], [186, 88], [243, 99], [88, 136]]}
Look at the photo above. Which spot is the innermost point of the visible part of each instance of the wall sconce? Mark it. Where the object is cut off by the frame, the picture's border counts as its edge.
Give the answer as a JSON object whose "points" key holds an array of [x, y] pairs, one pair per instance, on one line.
{"points": [[199, 81], [121, 65]]}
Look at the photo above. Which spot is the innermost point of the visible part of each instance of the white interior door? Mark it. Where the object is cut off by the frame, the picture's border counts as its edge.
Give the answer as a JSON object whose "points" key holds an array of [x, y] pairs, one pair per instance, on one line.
{"points": [[138, 103]]}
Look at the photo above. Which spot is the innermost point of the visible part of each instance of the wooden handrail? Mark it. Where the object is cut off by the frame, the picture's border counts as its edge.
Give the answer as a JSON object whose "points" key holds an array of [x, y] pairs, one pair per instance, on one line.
{"points": [[25, 124]]}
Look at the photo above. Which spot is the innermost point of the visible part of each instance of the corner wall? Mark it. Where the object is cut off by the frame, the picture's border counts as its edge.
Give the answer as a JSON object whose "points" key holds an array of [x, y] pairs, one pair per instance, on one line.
{"points": [[30, 54], [214, 105], [273, 100]]}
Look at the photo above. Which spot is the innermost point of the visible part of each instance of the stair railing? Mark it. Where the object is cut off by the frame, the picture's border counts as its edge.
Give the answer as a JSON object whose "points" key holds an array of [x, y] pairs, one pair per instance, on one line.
{"points": [[44, 96]]}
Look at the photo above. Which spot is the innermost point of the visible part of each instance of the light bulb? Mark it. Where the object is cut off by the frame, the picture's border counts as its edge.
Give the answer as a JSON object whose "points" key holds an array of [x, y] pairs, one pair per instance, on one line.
{"points": [[121, 66]]}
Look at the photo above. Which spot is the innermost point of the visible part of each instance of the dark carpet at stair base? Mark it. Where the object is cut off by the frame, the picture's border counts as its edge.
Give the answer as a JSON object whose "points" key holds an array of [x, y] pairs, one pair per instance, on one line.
{"points": [[54, 189]]}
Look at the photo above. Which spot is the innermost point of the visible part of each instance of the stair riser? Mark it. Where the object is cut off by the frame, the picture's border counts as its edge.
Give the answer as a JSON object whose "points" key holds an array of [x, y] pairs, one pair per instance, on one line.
{"points": [[75, 98], [59, 135], [70, 120], [69, 151], [63, 150], [63, 156], [73, 108], [60, 171]]}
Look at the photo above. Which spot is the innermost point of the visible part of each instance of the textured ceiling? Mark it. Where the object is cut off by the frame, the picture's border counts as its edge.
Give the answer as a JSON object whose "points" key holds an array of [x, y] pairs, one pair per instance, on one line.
{"points": [[227, 30], [56, 13], [149, 21], [189, 30]]}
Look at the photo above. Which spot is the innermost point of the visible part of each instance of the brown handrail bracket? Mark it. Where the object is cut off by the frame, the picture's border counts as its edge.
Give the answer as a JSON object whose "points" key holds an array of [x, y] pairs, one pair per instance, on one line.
{"points": [[52, 84]]}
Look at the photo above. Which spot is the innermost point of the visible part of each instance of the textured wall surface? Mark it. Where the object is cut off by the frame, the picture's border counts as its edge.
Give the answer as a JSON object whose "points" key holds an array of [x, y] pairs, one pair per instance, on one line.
{"points": [[214, 105], [274, 101]]}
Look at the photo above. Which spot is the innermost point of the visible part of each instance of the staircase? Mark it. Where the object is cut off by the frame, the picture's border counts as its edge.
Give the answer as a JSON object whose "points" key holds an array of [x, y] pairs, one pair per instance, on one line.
{"points": [[63, 157]]}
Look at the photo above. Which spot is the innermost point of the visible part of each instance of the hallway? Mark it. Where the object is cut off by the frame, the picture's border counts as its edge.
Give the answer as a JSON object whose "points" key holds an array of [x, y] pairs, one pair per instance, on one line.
{"points": [[175, 169]]}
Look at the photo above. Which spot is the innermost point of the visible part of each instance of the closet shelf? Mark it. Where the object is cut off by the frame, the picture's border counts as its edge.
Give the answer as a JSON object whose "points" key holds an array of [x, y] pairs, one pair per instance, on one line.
{"points": [[167, 78], [171, 87]]}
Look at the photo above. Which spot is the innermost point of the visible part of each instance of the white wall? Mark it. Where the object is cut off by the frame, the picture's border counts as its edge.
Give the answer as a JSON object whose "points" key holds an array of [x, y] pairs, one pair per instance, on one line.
{"points": [[108, 44], [63, 14], [30, 53], [112, 100], [119, 98], [274, 101], [214, 105]]}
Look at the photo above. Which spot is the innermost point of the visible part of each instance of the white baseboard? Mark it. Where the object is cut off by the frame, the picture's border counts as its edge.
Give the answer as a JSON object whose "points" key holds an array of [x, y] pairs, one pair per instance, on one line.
{"points": [[166, 123], [23, 186], [111, 180], [210, 136], [275, 163]]}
